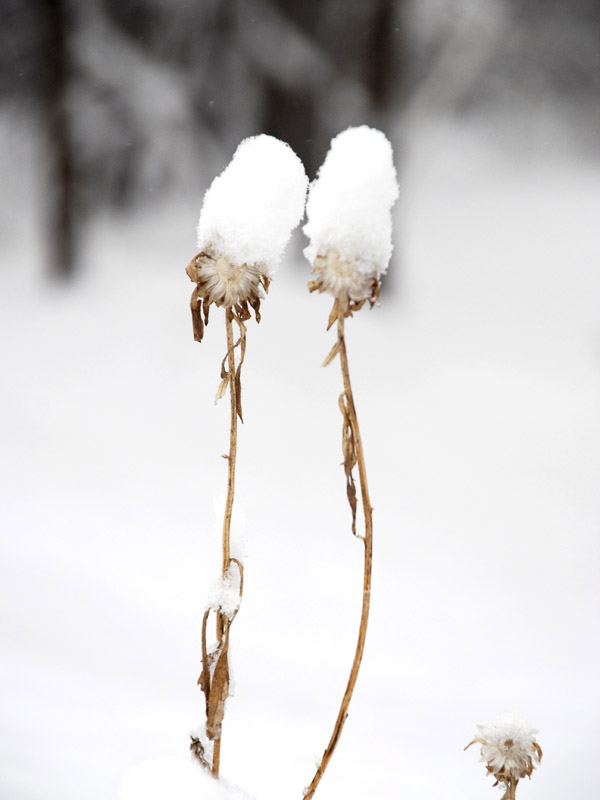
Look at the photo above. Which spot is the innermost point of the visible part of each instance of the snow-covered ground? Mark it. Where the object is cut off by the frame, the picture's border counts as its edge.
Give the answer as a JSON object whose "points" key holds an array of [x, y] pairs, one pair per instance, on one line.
{"points": [[477, 383]]}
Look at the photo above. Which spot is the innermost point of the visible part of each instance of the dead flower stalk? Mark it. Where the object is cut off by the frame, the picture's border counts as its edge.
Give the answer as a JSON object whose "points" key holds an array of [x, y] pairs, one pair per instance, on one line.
{"points": [[349, 227], [239, 287], [247, 217], [353, 454]]}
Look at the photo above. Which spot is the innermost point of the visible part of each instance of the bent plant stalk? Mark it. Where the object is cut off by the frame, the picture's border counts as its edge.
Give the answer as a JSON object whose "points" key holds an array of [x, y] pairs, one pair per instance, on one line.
{"points": [[353, 454], [214, 678]]}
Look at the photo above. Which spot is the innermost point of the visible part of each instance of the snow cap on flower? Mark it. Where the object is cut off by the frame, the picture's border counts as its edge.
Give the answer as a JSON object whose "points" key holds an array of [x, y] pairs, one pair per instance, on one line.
{"points": [[509, 748], [349, 214], [252, 207], [247, 218]]}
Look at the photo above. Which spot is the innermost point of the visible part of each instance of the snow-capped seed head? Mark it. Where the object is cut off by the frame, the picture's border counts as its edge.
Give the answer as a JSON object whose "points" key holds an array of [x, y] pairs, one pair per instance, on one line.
{"points": [[247, 218], [349, 216], [509, 748], [252, 207]]}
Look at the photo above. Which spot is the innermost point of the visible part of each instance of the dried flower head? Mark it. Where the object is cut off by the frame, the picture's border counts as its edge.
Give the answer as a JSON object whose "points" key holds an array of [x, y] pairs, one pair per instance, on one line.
{"points": [[247, 217], [349, 218], [509, 748], [340, 277], [225, 284]]}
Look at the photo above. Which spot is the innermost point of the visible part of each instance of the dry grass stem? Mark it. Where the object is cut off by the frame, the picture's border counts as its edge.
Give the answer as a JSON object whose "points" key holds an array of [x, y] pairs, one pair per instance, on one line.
{"points": [[353, 455]]}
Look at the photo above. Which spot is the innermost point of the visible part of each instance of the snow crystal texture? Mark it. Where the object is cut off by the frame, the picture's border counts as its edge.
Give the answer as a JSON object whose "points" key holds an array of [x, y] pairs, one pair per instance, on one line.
{"points": [[252, 207], [349, 204]]}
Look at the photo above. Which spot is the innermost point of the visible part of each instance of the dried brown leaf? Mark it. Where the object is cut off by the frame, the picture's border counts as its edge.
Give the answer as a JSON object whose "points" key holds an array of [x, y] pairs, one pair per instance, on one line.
{"points": [[219, 691], [206, 309], [197, 321], [350, 457], [335, 312], [222, 388], [332, 353], [238, 393]]}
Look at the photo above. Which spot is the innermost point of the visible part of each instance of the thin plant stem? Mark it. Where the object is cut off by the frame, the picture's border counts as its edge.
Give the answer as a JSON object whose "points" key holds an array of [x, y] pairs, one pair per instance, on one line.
{"points": [[216, 757], [231, 463], [368, 560], [231, 459]]}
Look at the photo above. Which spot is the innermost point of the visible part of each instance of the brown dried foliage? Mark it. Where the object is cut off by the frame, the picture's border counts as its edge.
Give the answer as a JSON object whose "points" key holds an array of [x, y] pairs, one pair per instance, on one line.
{"points": [[237, 374], [340, 278], [214, 678], [239, 287], [350, 457]]}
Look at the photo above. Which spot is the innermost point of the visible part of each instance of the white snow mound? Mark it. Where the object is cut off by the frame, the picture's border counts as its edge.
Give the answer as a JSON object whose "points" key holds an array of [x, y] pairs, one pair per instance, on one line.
{"points": [[349, 204], [251, 208], [175, 778]]}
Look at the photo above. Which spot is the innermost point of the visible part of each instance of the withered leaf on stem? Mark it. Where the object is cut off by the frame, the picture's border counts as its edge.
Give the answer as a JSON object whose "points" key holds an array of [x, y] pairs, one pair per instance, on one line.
{"points": [[197, 317], [241, 343], [204, 679], [219, 691], [350, 457], [214, 678], [335, 311], [332, 353], [198, 752]]}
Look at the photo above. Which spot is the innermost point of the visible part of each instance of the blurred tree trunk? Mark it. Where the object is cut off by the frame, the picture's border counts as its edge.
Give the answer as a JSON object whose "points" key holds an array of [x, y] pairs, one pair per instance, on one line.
{"points": [[358, 79], [61, 206]]}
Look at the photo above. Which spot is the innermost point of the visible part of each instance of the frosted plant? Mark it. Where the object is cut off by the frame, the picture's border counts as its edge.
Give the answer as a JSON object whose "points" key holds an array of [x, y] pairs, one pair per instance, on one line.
{"points": [[349, 227], [349, 221], [509, 748], [247, 218]]}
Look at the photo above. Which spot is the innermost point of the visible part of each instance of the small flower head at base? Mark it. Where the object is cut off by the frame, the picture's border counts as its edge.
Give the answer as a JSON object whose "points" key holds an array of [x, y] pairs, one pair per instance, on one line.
{"points": [[349, 218], [509, 749], [247, 218]]}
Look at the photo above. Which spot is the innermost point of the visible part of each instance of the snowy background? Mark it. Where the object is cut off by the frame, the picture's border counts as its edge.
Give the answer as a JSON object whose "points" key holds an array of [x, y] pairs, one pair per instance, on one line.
{"points": [[477, 383]]}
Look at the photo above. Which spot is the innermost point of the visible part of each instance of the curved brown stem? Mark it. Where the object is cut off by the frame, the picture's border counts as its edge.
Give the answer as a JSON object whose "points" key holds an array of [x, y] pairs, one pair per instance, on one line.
{"points": [[222, 620], [340, 348]]}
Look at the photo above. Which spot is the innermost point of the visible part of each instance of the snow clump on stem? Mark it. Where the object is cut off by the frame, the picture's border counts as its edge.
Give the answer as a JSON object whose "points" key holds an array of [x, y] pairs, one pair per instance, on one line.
{"points": [[349, 217], [509, 748]]}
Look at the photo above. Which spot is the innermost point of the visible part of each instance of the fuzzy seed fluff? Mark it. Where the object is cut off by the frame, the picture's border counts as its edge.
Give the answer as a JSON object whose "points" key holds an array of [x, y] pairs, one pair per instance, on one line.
{"points": [[252, 207], [508, 747], [349, 204]]}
